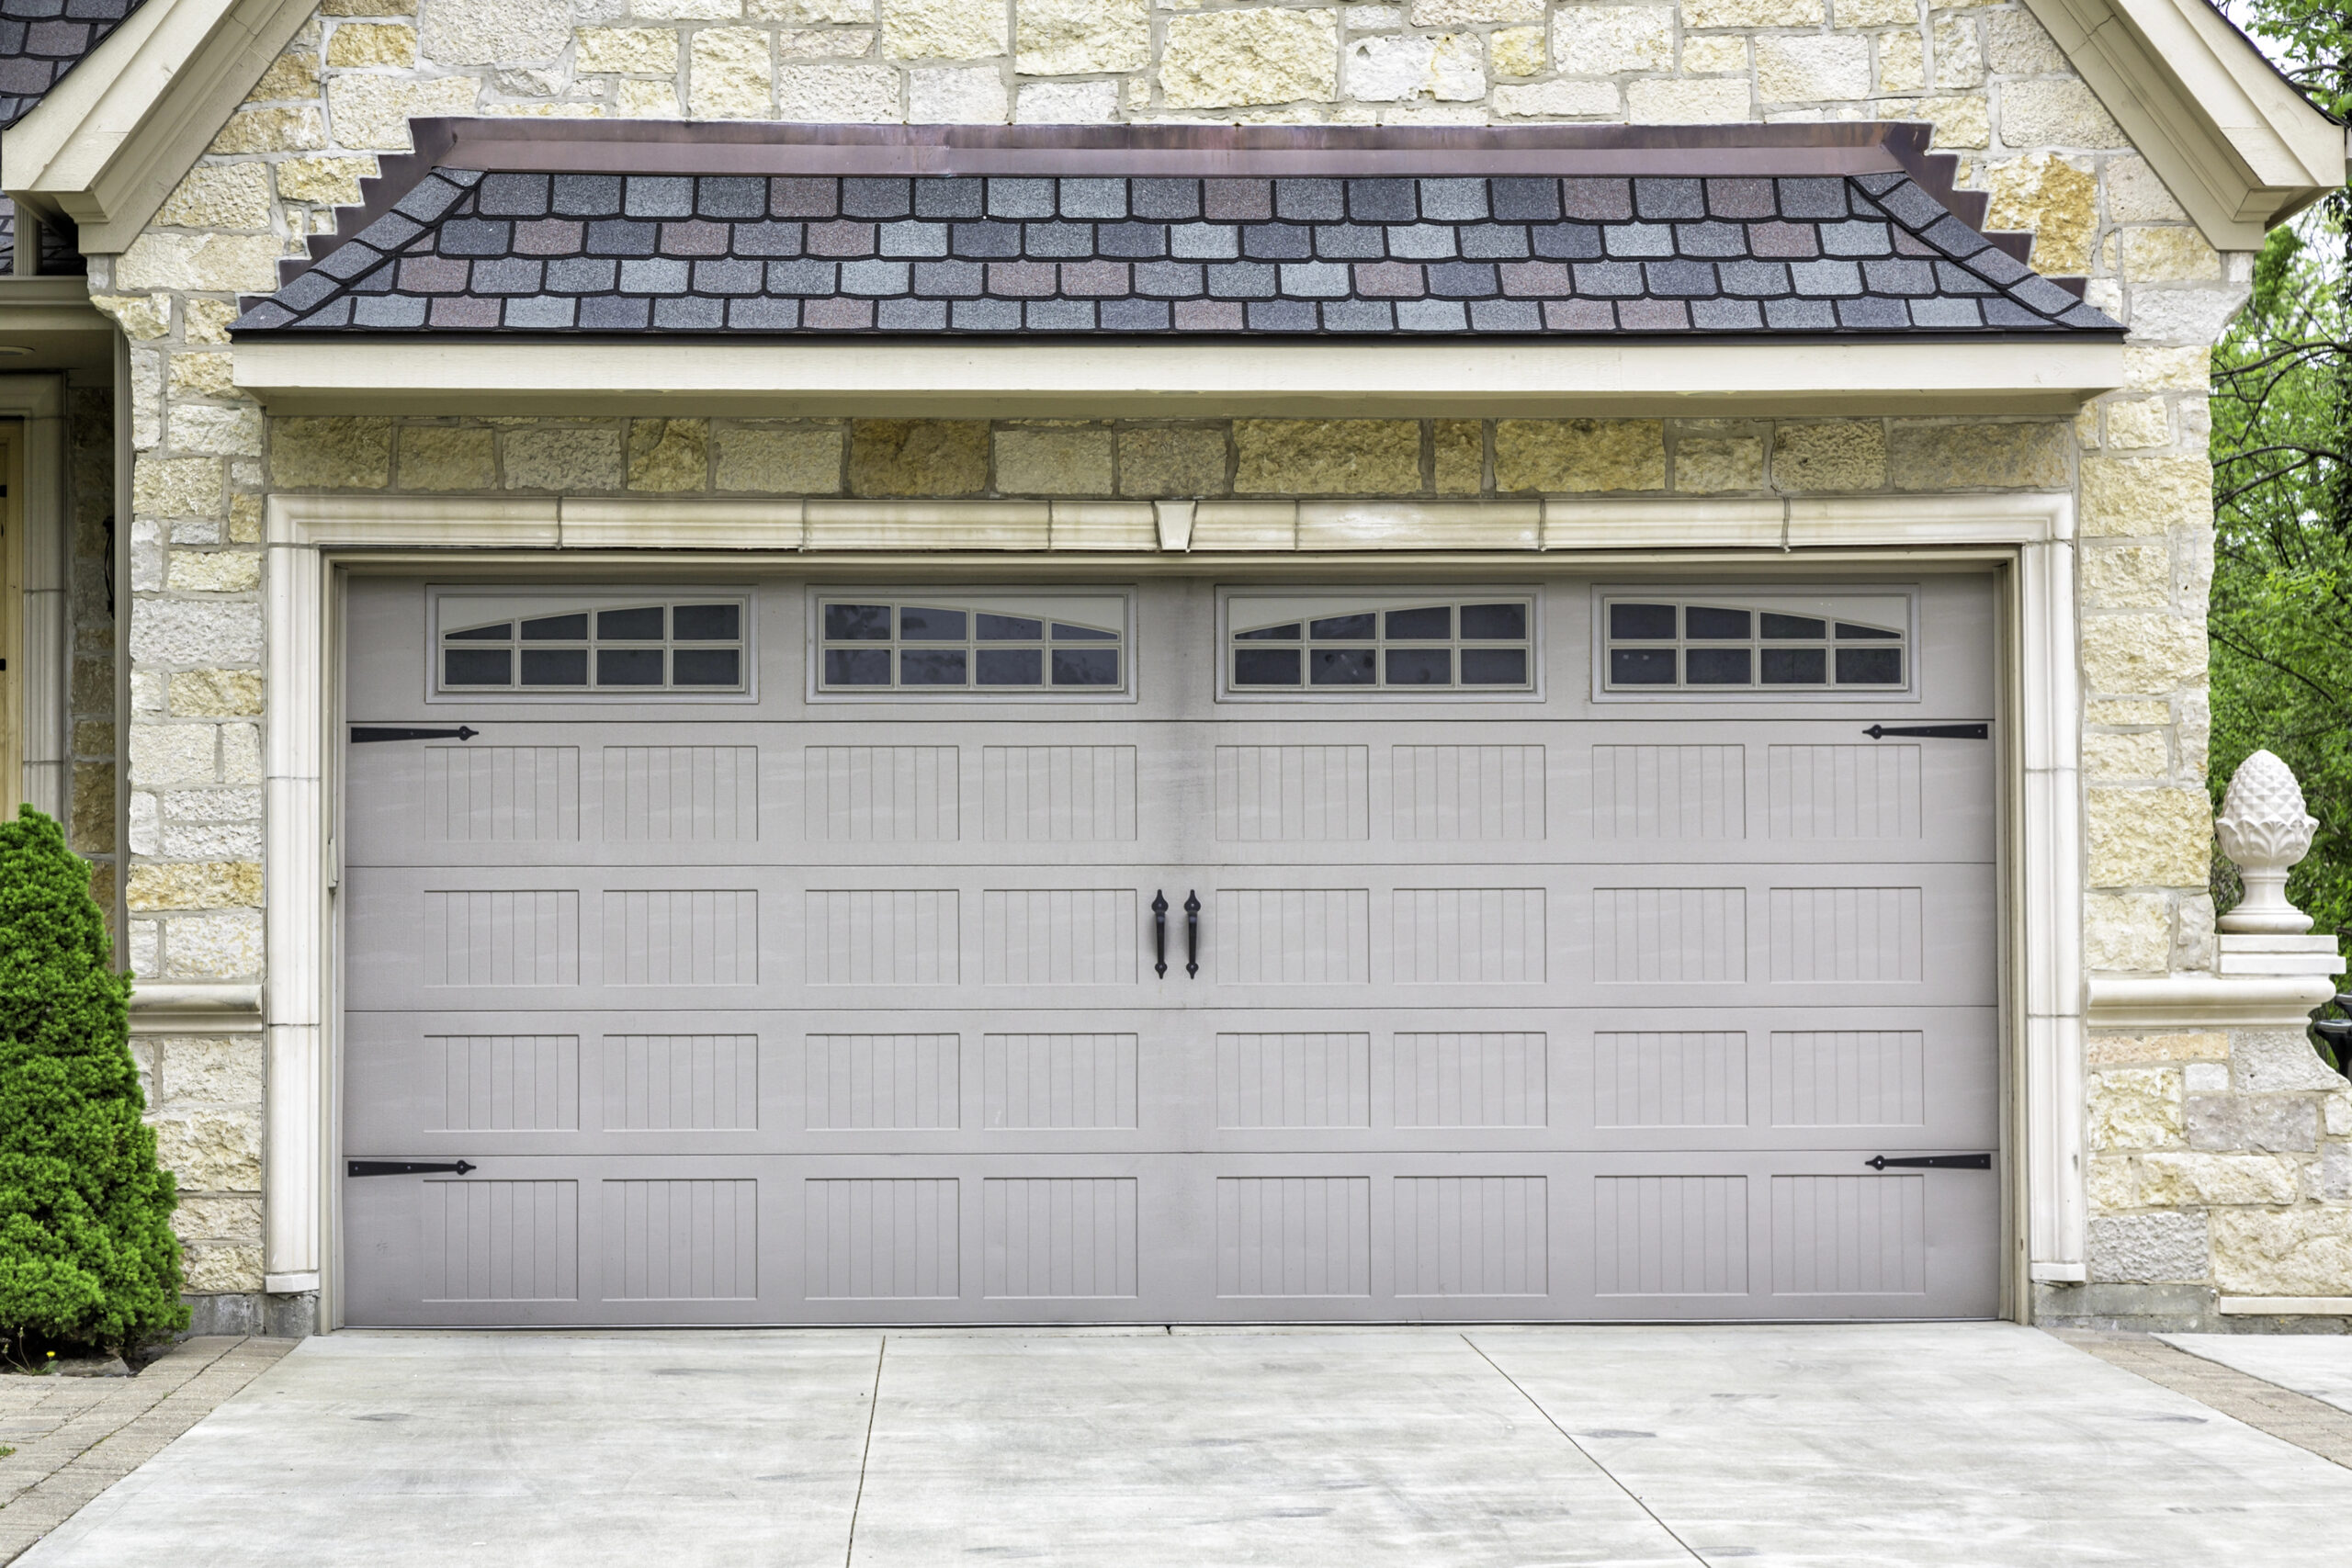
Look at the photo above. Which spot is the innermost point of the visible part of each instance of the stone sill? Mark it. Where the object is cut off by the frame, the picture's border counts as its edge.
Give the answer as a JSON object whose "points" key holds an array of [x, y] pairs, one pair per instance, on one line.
{"points": [[195, 1009], [2207, 1001], [2286, 1307]]}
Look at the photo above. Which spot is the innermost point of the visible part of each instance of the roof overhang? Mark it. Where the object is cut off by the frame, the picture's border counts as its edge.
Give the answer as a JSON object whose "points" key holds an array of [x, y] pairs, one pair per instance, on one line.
{"points": [[48, 323], [110, 140], [1616, 377], [2239, 147]]}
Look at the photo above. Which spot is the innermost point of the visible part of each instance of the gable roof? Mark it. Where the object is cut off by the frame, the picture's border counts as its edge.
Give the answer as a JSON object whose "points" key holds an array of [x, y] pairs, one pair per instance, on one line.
{"points": [[40, 40], [1739, 229]]}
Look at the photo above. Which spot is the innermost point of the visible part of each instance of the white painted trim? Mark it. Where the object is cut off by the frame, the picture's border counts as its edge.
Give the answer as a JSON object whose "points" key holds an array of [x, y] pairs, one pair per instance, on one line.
{"points": [[2286, 1307], [961, 376], [107, 145], [45, 648], [2206, 1001], [2240, 148], [173, 1009], [305, 534], [290, 1284]]}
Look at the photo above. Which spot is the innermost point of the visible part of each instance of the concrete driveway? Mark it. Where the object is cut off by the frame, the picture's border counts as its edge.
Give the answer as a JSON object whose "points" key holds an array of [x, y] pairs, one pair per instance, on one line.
{"points": [[1896, 1447]]}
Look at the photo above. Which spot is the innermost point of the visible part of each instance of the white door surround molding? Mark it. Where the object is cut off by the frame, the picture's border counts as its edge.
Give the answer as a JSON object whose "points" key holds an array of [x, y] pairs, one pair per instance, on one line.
{"points": [[36, 402], [307, 538]]}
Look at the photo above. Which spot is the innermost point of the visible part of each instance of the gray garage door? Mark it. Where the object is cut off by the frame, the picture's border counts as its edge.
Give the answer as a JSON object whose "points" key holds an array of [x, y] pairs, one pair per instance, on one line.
{"points": [[780, 953]]}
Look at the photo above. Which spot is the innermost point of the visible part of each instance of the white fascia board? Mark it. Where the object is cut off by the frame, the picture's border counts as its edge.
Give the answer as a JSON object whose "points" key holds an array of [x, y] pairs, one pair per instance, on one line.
{"points": [[2239, 148], [109, 142], [1622, 377]]}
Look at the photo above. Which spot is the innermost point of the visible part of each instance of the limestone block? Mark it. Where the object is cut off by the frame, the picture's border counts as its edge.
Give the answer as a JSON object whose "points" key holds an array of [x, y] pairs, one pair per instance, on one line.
{"points": [[2275, 1061], [1270, 56], [2150, 837], [2142, 653], [943, 29], [1460, 449], [2184, 315], [1801, 68], [1960, 60], [730, 74], [373, 112], [2138, 755], [1449, 68], [1560, 100], [213, 947], [177, 487], [641, 49], [210, 841], [139, 316], [2051, 197], [1752, 14], [195, 884], [848, 95], [1069, 38], [1844, 455], [511, 32], [649, 100], [669, 456], [294, 74], [207, 1268], [2147, 495], [917, 456], [1171, 462], [1710, 464], [205, 321], [215, 693], [1067, 460], [163, 755], [1579, 456], [212, 264], [1474, 13], [1067, 103], [219, 195], [2016, 45], [1705, 54], [779, 461], [241, 753], [2136, 195], [2110, 1050], [1336, 457], [1901, 62], [209, 1069], [1953, 457], [2177, 1181], [2336, 1173], [93, 687], [1658, 101], [563, 457], [2112, 1182], [2062, 113], [2137, 423], [208, 427], [2339, 1115], [1877, 12], [330, 453], [371, 43], [2299, 1252], [91, 816], [1517, 51], [201, 375], [2149, 1246], [956, 95], [2266, 1124], [2126, 576], [687, 10], [1600, 40], [245, 520], [212, 1151], [2135, 1107], [299, 130], [2193, 947], [2168, 254], [218, 1219], [446, 456], [214, 571], [824, 12]]}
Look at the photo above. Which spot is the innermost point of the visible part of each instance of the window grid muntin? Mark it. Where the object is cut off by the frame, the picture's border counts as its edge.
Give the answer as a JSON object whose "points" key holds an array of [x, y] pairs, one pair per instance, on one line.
{"points": [[1083, 638], [1833, 640], [518, 645], [1242, 639]]}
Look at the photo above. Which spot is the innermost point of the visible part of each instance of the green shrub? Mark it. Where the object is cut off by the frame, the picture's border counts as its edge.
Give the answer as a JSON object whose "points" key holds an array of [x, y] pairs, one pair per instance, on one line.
{"points": [[86, 1250]]}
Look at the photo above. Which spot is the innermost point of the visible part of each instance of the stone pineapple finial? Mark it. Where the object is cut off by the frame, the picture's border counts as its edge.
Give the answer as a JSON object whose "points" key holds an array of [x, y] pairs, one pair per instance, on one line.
{"points": [[2264, 830]]}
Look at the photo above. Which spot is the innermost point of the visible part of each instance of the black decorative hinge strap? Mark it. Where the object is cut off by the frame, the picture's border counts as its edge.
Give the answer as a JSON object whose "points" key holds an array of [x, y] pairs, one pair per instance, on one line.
{"points": [[1932, 1162], [362, 733], [1932, 731], [406, 1167]]}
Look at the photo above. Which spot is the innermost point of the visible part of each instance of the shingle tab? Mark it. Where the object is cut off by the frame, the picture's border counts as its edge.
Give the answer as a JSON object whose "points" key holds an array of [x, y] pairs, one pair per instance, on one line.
{"points": [[525, 253]]}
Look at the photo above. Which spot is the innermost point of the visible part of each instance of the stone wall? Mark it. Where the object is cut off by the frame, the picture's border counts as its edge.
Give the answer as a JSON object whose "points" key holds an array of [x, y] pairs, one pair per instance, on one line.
{"points": [[1997, 90]]}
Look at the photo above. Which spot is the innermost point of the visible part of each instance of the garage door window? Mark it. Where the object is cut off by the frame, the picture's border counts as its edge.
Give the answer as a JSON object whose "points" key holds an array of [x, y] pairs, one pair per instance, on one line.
{"points": [[936, 645], [680, 646], [1727, 645], [1292, 644]]}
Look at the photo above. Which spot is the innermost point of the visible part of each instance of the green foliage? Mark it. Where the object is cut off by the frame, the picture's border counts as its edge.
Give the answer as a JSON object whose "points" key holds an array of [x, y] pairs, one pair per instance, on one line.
{"points": [[86, 1250]]}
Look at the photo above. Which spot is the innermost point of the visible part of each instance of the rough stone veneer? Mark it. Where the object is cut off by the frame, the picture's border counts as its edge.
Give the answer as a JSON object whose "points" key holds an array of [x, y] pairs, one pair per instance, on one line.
{"points": [[1998, 93]]}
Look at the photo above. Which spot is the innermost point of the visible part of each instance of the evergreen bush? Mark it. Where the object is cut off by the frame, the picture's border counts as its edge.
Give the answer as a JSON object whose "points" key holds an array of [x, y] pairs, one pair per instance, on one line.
{"points": [[87, 1256]]}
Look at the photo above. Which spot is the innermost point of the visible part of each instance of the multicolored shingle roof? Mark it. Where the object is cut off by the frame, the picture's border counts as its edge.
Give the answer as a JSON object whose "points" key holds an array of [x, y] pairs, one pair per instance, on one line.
{"points": [[40, 40], [534, 252]]}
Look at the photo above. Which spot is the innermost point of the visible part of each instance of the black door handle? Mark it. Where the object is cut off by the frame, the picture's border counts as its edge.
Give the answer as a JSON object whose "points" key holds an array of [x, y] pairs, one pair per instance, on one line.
{"points": [[405, 1166], [1933, 1162], [1192, 933], [1932, 731], [1159, 932], [363, 733]]}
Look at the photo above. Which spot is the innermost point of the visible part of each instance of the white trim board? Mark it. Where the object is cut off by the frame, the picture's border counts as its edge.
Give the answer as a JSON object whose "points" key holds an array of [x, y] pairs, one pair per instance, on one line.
{"points": [[307, 537], [2053, 374], [38, 401]]}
